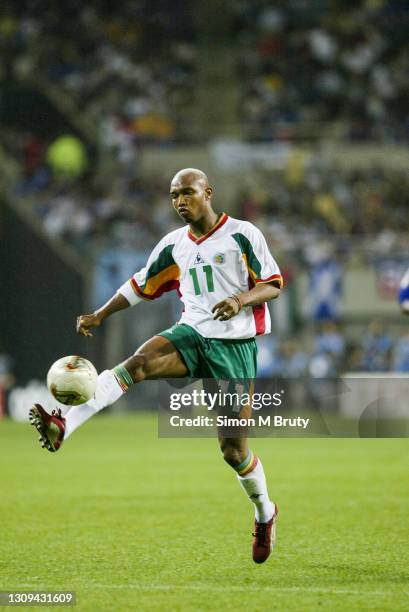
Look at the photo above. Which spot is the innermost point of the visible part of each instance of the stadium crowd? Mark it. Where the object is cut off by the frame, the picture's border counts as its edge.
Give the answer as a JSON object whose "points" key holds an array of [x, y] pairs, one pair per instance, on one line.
{"points": [[297, 62], [300, 209], [331, 351], [85, 208], [134, 72], [323, 62], [130, 72], [365, 209]]}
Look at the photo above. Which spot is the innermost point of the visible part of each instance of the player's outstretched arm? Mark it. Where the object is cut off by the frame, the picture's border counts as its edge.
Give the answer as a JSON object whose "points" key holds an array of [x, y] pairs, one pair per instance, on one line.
{"points": [[229, 307], [87, 321], [263, 292]]}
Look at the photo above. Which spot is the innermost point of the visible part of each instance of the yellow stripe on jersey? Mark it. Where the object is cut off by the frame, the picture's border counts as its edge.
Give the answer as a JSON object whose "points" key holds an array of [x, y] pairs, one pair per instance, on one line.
{"points": [[251, 272], [154, 283], [257, 281], [271, 279]]}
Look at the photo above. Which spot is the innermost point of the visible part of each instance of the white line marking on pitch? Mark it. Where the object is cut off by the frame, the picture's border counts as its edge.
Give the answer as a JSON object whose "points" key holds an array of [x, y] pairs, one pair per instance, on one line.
{"points": [[205, 587], [221, 588]]}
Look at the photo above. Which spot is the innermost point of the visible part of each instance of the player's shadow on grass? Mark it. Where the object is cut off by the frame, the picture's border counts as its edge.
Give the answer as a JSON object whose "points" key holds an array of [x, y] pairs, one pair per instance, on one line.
{"points": [[358, 573]]}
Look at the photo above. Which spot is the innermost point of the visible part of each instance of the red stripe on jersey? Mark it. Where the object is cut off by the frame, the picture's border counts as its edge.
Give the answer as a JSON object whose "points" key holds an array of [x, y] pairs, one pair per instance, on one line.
{"points": [[139, 291], [259, 314], [168, 286], [218, 225], [271, 278]]}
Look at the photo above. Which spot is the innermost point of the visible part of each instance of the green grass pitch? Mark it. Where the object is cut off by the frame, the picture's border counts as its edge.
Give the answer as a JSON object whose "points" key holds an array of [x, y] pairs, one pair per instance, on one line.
{"points": [[133, 522]]}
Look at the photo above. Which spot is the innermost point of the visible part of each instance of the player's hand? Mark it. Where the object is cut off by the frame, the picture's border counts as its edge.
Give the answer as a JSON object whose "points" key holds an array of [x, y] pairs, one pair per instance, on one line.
{"points": [[226, 309], [86, 322]]}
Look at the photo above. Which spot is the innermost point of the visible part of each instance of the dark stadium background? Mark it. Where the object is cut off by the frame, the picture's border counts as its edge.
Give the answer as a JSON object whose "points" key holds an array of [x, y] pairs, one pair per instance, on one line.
{"points": [[298, 111]]}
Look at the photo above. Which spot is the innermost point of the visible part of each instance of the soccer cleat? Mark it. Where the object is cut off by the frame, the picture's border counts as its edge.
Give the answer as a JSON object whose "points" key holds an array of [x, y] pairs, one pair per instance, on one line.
{"points": [[264, 538], [51, 427]]}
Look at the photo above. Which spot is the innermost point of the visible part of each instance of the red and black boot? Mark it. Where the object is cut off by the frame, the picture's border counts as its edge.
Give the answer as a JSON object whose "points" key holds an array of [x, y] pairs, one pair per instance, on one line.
{"points": [[51, 427], [264, 538]]}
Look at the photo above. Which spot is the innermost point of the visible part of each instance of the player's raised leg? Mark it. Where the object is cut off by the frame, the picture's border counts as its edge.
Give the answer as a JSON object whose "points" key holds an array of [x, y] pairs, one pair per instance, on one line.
{"points": [[250, 474], [156, 358]]}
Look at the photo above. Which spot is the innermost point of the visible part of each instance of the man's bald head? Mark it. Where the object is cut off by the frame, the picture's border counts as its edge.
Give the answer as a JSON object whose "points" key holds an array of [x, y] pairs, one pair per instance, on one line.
{"points": [[191, 194], [191, 175]]}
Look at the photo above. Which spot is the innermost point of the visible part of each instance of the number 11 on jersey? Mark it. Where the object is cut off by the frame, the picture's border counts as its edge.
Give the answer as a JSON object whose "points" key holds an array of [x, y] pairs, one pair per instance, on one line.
{"points": [[208, 272]]}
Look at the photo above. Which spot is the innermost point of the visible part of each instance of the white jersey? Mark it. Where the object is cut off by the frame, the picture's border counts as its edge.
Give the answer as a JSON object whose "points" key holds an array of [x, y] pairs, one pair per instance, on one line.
{"points": [[233, 257]]}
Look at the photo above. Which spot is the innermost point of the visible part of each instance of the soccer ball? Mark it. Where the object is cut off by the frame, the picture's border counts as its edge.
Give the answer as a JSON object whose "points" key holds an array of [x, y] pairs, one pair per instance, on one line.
{"points": [[72, 380]]}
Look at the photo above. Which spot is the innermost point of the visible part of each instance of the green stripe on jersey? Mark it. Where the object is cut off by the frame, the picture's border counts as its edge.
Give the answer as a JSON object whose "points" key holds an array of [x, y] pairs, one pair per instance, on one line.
{"points": [[163, 261], [246, 248]]}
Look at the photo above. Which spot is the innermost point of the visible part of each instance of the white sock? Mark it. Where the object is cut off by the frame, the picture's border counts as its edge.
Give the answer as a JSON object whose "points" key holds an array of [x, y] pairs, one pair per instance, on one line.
{"points": [[255, 486], [107, 392]]}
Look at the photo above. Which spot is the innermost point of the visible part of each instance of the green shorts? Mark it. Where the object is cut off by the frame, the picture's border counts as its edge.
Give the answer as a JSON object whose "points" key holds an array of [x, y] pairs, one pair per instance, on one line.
{"points": [[213, 357]]}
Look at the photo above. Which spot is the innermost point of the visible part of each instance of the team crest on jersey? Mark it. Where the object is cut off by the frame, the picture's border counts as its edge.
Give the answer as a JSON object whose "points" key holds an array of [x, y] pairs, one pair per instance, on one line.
{"points": [[199, 259], [219, 258]]}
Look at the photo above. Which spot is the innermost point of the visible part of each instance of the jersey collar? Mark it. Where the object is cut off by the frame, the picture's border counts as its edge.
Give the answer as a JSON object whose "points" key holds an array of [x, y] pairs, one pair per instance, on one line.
{"points": [[214, 229]]}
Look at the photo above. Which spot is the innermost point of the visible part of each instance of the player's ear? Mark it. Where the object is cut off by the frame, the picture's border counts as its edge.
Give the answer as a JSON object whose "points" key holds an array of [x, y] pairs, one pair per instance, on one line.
{"points": [[208, 192]]}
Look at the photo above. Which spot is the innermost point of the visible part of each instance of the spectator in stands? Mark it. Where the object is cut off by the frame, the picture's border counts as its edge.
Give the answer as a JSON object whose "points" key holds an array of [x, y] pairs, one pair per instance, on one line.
{"points": [[376, 348], [294, 360], [401, 354], [330, 340], [269, 358], [325, 283], [329, 351]]}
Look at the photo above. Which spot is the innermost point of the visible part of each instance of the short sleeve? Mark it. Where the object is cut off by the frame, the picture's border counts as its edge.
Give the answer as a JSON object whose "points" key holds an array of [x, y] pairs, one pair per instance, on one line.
{"points": [[161, 274], [260, 263]]}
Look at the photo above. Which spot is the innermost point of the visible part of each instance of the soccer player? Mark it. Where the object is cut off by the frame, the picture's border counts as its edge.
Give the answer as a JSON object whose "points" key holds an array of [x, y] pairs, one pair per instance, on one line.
{"points": [[404, 293], [225, 274]]}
